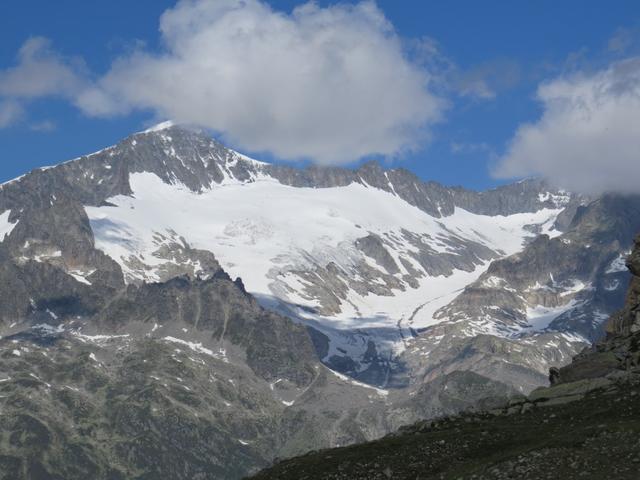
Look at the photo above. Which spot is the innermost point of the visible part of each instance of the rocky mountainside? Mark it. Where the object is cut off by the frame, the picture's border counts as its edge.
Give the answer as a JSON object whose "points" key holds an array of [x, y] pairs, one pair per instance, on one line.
{"points": [[188, 378], [386, 269], [586, 425], [536, 308], [129, 350]]}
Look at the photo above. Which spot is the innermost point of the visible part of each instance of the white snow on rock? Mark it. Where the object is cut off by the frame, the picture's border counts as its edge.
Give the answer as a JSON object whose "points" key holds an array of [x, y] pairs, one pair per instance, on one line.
{"points": [[380, 391], [160, 126], [48, 329], [81, 275], [197, 347], [98, 338], [540, 317], [5, 225], [263, 231], [618, 264]]}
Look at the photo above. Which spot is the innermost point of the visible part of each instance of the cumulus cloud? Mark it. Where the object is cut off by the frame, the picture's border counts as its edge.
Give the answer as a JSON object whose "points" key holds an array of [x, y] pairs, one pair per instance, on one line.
{"points": [[587, 138], [485, 80], [332, 84], [621, 40], [481, 81], [10, 112], [43, 126], [39, 72]]}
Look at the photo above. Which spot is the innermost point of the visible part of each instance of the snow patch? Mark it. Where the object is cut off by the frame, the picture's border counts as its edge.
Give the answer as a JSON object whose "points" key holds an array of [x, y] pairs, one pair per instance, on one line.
{"points": [[540, 317], [158, 127], [618, 264], [98, 338], [197, 347], [5, 225], [379, 391], [80, 275], [48, 329]]}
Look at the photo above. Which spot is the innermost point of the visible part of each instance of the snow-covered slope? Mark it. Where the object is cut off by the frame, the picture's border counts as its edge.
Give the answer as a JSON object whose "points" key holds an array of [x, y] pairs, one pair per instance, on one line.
{"points": [[375, 260], [365, 257], [273, 235]]}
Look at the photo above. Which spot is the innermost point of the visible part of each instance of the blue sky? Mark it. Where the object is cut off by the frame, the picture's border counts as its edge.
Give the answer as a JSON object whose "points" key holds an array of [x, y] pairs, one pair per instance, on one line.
{"points": [[492, 56]]}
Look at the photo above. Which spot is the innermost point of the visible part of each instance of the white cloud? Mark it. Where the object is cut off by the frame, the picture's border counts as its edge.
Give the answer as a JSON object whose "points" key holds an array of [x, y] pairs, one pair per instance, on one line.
{"points": [[481, 81], [43, 126], [621, 40], [332, 84], [588, 137], [10, 112], [41, 72], [485, 80]]}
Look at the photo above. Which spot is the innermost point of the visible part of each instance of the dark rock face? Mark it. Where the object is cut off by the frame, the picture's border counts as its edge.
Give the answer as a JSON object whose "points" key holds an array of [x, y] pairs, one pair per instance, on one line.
{"points": [[29, 289], [98, 397], [619, 351], [119, 393], [275, 348], [627, 321], [372, 246]]}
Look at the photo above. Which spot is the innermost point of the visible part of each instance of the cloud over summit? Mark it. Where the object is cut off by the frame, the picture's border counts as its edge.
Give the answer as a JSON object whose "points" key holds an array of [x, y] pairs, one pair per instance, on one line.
{"points": [[331, 84], [588, 137]]}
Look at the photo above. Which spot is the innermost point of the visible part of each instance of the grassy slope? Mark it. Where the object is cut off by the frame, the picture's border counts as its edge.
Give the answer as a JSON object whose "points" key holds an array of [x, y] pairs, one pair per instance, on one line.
{"points": [[595, 437]]}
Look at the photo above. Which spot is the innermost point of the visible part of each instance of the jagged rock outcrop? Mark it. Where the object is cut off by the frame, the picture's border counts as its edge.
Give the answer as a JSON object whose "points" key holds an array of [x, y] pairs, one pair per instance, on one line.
{"points": [[619, 351], [627, 321]]}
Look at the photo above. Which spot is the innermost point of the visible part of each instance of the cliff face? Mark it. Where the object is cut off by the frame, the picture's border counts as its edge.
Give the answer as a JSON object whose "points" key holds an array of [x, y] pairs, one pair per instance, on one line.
{"points": [[619, 352], [627, 321]]}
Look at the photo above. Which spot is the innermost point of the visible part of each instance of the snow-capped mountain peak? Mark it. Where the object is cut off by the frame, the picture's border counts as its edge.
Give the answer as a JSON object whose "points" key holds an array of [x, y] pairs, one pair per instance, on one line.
{"points": [[367, 257], [159, 126]]}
